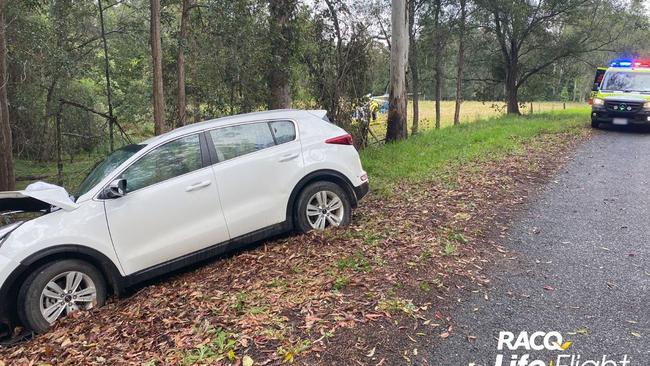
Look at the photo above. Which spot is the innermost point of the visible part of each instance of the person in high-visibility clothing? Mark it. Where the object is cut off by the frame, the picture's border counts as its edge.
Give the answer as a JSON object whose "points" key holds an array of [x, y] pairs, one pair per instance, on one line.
{"points": [[374, 108]]}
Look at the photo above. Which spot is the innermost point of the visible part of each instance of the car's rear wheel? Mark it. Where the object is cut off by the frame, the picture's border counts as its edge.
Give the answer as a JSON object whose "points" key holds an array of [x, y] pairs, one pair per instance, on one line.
{"points": [[322, 205], [58, 289]]}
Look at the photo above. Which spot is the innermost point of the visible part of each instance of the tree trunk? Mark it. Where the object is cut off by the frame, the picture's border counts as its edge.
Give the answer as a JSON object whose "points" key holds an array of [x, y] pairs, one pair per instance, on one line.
{"points": [[107, 73], [181, 102], [438, 90], [281, 32], [438, 61], [59, 145], [461, 62], [413, 64], [156, 57], [512, 90], [7, 178], [397, 102]]}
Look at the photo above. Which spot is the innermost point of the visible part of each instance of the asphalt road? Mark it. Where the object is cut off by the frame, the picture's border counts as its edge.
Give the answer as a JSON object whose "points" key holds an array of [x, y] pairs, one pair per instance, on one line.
{"points": [[582, 266]]}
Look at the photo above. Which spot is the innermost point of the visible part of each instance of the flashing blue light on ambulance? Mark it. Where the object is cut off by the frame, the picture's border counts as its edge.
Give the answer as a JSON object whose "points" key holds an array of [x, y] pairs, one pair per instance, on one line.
{"points": [[626, 62], [621, 63]]}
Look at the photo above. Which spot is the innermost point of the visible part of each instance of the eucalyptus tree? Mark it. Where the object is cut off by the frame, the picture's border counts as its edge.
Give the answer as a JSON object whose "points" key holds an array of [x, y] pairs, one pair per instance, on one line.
{"points": [[181, 97], [156, 58], [282, 34], [7, 179], [414, 70], [460, 64], [397, 99]]}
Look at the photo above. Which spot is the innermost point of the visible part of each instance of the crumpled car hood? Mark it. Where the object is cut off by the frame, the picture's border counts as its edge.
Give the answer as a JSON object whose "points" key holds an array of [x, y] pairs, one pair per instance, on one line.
{"points": [[36, 197]]}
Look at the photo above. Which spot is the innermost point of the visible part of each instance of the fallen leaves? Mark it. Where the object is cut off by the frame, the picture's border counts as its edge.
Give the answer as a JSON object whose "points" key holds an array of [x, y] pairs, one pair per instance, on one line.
{"points": [[247, 361], [372, 352]]}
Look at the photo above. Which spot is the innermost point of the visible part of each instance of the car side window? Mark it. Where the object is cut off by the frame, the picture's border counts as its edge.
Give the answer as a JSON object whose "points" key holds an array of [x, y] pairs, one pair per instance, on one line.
{"points": [[231, 142], [170, 160], [284, 131]]}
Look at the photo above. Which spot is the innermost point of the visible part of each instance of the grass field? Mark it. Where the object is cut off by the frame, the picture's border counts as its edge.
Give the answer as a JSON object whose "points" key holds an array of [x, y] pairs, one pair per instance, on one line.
{"points": [[493, 134], [433, 154], [471, 111]]}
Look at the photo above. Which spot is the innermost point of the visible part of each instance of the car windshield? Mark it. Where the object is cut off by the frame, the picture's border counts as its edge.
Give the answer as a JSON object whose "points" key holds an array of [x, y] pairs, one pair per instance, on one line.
{"points": [[106, 166], [627, 81]]}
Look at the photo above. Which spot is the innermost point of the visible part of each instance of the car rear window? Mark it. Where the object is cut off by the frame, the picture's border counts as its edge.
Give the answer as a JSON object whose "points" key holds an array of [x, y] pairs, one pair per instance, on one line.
{"points": [[283, 131]]}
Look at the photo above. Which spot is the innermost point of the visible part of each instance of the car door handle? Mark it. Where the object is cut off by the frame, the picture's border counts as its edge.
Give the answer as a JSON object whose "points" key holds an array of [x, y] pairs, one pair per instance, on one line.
{"points": [[197, 186], [288, 157]]}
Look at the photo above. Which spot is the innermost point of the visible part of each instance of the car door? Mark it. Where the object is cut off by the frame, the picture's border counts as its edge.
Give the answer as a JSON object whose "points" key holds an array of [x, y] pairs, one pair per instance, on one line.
{"points": [[258, 166], [171, 207]]}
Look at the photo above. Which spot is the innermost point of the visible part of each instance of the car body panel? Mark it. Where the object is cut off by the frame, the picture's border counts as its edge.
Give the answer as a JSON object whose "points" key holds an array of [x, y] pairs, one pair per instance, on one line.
{"points": [[7, 267], [85, 226], [172, 221], [319, 155], [36, 197], [255, 187]]}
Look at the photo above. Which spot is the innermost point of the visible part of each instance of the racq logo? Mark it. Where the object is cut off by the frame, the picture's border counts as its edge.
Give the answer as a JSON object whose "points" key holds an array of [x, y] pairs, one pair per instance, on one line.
{"points": [[523, 346]]}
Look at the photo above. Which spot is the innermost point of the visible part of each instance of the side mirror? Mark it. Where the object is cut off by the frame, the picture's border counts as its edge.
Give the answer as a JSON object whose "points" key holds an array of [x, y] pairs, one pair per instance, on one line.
{"points": [[595, 87], [115, 189]]}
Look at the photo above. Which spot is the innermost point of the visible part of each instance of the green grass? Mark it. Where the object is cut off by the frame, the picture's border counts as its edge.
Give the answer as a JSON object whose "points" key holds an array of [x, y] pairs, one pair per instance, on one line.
{"points": [[434, 154]]}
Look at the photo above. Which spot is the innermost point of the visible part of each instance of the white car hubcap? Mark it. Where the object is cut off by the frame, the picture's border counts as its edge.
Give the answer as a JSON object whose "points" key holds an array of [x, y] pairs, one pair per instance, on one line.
{"points": [[66, 293], [325, 209]]}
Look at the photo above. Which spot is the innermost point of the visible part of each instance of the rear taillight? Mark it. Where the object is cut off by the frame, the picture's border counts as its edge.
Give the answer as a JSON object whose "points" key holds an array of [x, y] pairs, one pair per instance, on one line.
{"points": [[340, 140]]}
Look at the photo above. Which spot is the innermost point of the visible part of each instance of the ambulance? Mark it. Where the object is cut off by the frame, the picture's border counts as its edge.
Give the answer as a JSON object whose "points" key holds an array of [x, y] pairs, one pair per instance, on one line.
{"points": [[621, 94]]}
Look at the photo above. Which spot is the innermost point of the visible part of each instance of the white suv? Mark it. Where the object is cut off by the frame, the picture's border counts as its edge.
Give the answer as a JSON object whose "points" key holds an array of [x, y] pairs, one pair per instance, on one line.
{"points": [[171, 201]]}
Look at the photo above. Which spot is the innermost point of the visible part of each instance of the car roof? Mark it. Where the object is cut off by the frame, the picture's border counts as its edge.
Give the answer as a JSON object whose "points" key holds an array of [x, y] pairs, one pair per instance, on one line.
{"points": [[239, 118]]}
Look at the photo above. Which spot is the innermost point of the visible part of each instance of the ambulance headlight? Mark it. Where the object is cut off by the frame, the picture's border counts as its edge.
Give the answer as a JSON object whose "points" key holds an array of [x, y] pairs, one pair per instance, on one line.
{"points": [[598, 102]]}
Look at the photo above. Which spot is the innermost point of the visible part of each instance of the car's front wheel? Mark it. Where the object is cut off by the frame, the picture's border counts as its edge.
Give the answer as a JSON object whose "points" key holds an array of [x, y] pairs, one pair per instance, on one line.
{"points": [[322, 205], [58, 289]]}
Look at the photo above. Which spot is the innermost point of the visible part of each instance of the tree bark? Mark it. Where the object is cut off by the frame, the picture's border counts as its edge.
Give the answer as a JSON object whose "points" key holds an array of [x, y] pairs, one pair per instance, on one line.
{"points": [[281, 32], [181, 102], [512, 89], [413, 64], [461, 61], [156, 57], [438, 61], [397, 107], [7, 177], [107, 73], [59, 144]]}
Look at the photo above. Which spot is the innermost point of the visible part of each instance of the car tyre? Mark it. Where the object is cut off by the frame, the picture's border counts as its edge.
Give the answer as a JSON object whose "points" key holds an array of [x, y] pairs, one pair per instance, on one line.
{"points": [[322, 205], [36, 296]]}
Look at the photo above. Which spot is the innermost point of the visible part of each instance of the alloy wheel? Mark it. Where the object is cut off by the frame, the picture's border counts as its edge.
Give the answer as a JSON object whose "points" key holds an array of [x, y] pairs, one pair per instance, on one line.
{"points": [[66, 293], [325, 209]]}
